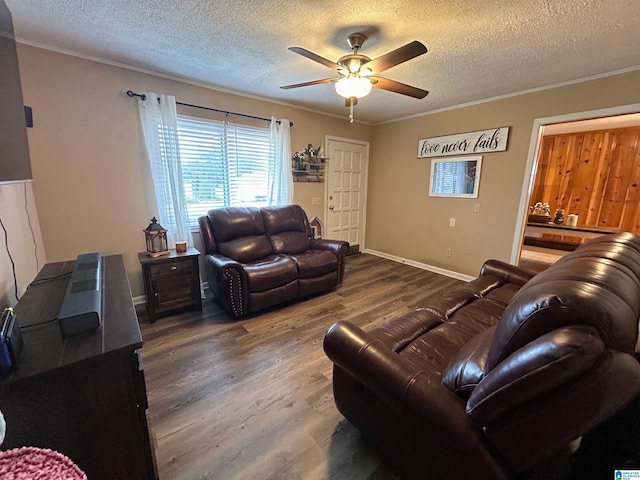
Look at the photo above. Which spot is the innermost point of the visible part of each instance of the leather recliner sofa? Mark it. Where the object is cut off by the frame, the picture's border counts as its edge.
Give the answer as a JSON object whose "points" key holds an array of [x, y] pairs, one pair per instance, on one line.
{"points": [[491, 379], [256, 258]]}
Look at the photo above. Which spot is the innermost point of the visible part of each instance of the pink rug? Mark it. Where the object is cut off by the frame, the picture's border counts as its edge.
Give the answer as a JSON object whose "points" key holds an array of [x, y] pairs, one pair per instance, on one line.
{"points": [[31, 463]]}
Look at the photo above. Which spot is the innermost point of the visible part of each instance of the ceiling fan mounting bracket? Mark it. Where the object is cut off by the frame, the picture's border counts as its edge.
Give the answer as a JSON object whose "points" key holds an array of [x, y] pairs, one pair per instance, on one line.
{"points": [[356, 40]]}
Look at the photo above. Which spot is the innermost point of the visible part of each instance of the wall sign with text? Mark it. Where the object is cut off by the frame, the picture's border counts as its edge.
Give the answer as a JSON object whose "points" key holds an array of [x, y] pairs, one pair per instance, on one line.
{"points": [[483, 141]]}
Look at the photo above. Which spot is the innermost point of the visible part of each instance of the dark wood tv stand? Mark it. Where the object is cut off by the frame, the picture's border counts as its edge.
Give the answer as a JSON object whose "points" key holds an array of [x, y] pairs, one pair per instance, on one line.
{"points": [[83, 396]]}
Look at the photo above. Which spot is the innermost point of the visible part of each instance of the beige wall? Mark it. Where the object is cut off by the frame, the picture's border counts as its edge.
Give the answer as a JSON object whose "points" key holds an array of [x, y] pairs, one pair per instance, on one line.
{"points": [[20, 219], [403, 220], [91, 180]]}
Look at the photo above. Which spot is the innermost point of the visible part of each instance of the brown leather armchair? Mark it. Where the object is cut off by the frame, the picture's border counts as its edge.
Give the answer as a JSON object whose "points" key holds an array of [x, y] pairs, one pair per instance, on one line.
{"points": [[491, 379], [256, 258]]}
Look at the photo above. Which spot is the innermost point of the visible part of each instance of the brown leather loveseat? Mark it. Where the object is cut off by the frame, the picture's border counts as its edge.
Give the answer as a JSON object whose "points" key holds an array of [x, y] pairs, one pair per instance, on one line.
{"points": [[489, 380], [259, 257]]}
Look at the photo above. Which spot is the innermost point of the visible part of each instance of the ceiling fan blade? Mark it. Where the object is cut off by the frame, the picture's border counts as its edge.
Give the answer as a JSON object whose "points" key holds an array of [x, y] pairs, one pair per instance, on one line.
{"points": [[315, 57], [397, 87], [395, 57], [313, 82]]}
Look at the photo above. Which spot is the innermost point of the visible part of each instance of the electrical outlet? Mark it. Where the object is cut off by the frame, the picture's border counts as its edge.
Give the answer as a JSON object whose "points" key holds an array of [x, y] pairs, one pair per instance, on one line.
{"points": [[448, 252], [315, 200], [476, 208], [452, 222]]}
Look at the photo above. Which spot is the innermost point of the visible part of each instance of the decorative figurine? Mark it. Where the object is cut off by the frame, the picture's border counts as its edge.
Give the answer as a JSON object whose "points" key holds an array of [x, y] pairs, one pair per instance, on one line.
{"points": [[558, 217]]}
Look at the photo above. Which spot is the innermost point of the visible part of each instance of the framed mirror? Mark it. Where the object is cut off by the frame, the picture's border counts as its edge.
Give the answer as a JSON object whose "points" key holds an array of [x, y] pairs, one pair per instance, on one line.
{"points": [[455, 177]]}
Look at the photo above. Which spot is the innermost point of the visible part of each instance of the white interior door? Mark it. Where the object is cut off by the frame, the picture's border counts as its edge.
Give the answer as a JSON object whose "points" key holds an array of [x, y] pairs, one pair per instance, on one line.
{"points": [[346, 189]]}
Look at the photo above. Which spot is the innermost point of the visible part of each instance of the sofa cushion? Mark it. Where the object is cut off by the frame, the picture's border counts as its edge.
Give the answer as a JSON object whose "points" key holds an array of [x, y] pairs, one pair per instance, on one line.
{"points": [[232, 222], [284, 218], [398, 332], [287, 227], [445, 304], [437, 346], [449, 319], [239, 233], [467, 367], [246, 249], [289, 242], [270, 272], [313, 263]]}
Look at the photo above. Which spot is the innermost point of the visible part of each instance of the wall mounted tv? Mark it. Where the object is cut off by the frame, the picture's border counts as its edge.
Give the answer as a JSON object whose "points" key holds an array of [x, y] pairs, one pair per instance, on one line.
{"points": [[15, 165]]}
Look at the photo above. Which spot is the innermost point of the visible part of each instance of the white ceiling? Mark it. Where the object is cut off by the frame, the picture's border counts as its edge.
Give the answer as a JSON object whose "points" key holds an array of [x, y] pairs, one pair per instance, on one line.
{"points": [[477, 49]]}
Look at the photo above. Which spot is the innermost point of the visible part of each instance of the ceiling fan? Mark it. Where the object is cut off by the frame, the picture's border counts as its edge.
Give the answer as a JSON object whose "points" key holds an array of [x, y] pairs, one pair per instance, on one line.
{"points": [[359, 73]]}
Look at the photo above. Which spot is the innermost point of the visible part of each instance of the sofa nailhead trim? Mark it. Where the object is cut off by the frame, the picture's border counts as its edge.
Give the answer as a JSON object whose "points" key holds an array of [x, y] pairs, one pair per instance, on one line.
{"points": [[234, 285]]}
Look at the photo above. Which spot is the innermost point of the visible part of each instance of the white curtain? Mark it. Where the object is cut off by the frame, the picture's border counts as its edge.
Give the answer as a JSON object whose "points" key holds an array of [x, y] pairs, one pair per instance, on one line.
{"points": [[160, 128], [280, 175]]}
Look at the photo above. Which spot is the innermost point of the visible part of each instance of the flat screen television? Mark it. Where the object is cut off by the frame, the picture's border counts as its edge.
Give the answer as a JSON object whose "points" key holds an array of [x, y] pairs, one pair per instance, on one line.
{"points": [[15, 165]]}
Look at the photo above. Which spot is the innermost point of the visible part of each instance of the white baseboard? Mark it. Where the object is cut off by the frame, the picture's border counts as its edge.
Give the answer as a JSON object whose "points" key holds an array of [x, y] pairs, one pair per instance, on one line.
{"points": [[423, 266], [139, 300]]}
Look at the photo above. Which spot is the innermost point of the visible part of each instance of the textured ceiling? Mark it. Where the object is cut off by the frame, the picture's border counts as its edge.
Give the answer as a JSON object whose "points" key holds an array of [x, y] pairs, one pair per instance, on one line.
{"points": [[477, 49]]}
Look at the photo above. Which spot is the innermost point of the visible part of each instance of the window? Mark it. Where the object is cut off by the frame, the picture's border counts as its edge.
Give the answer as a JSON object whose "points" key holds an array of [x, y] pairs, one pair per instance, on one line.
{"points": [[222, 165]]}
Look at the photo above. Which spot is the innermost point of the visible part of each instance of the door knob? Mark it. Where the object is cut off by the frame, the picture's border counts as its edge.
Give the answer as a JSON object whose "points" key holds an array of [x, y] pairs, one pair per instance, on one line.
{"points": [[330, 207]]}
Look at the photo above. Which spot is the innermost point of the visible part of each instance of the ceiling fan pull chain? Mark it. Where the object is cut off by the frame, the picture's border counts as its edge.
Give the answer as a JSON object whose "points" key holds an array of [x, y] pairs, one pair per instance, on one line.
{"points": [[351, 110]]}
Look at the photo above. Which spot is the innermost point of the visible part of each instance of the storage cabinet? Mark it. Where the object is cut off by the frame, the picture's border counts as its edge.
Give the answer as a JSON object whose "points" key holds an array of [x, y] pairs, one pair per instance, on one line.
{"points": [[83, 396], [171, 282]]}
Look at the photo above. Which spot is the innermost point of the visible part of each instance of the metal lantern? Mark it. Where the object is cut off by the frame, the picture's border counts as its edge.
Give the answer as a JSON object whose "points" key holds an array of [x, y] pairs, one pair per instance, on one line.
{"points": [[156, 239]]}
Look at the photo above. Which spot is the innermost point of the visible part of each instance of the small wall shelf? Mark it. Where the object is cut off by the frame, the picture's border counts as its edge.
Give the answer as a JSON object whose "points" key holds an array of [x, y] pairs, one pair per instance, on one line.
{"points": [[307, 166]]}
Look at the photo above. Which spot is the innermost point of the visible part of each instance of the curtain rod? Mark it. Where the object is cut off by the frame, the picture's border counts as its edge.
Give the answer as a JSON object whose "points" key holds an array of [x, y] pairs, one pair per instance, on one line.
{"points": [[132, 94]]}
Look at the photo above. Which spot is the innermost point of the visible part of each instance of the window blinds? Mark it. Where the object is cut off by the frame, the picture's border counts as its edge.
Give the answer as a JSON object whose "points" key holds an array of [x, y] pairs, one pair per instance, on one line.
{"points": [[222, 165]]}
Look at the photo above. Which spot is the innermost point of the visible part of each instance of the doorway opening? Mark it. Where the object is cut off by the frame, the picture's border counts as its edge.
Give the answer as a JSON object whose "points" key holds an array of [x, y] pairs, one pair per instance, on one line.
{"points": [[538, 258]]}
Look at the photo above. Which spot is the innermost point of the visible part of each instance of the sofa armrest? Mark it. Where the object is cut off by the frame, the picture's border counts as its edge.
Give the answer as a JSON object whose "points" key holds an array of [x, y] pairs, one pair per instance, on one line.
{"points": [[509, 273], [337, 247], [228, 282], [553, 360]]}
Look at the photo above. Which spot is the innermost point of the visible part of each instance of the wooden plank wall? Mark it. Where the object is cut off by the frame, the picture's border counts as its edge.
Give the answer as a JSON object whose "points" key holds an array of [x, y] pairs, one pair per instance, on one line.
{"points": [[593, 174]]}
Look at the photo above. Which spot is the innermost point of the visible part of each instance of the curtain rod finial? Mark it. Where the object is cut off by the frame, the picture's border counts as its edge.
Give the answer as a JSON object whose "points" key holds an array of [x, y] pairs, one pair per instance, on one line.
{"points": [[131, 93]]}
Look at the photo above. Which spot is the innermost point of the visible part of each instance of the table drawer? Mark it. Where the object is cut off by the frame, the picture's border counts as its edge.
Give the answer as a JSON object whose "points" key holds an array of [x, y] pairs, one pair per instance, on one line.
{"points": [[171, 268]]}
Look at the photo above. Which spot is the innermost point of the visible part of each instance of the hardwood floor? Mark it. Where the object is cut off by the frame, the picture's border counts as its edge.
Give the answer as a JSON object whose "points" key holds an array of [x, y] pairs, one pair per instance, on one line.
{"points": [[252, 399], [538, 260]]}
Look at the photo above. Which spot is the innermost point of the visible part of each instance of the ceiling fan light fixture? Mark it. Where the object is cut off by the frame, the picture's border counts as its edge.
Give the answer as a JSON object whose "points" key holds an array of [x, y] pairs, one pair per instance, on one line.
{"points": [[354, 67], [353, 86]]}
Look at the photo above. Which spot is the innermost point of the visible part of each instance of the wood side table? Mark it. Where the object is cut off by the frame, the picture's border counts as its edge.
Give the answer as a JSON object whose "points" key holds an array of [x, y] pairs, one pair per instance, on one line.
{"points": [[171, 281]]}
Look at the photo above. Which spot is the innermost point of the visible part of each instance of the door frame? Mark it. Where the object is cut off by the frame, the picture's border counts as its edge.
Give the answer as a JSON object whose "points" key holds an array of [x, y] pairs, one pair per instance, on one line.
{"points": [[532, 161], [365, 186]]}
